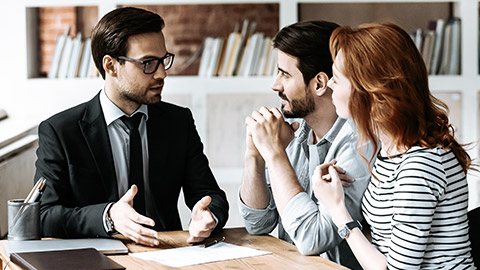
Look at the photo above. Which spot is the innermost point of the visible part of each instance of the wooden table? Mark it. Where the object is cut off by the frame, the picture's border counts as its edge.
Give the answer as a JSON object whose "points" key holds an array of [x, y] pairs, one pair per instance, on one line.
{"points": [[284, 255]]}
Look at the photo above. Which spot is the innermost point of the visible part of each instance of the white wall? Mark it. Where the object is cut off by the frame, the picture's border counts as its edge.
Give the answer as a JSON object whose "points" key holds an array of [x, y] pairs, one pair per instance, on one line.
{"points": [[16, 181]]}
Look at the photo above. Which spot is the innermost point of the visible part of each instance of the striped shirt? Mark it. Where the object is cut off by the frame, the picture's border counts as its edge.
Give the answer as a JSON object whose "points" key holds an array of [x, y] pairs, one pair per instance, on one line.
{"points": [[417, 210]]}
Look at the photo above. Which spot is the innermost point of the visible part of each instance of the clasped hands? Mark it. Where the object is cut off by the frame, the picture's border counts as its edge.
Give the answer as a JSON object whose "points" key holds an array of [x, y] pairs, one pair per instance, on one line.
{"points": [[268, 133], [131, 224]]}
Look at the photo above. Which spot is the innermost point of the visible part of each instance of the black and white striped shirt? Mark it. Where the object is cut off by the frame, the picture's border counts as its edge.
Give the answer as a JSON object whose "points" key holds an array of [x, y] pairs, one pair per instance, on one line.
{"points": [[417, 210]]}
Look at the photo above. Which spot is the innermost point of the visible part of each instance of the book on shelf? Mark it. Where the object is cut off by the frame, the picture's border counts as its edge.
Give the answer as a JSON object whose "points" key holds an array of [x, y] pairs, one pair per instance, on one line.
{"points": [[206, 55], [238, 50], [247, 31], [257, 55], [231, 47], [264, 56], [245, 53], [437, 48], [217, 50], [211, 55], [418, 38], [247, 56], [454, 67], [221, 58], [439, 45], [86, 59], [446, 50], [72, 58], [65, 58], [427, 49], [57, 54], [251, 55], [75, 56]]}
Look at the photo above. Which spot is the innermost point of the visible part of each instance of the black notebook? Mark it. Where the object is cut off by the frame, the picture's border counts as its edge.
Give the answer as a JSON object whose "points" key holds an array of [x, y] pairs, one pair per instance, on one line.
{"points": [[72, 259]]}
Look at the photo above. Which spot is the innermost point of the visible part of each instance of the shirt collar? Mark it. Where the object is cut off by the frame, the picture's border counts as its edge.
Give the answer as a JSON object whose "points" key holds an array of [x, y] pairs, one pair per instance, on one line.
{"points": [[111, 112], [331, 134]]}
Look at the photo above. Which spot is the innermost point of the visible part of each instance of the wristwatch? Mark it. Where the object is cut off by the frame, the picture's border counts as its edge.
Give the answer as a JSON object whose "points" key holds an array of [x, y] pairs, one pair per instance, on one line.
{"points": [[345, 229], [108, 220]]}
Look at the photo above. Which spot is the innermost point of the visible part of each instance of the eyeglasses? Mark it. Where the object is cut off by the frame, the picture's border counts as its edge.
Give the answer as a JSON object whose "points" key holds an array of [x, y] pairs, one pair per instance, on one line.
{"points": [[150, 66]]}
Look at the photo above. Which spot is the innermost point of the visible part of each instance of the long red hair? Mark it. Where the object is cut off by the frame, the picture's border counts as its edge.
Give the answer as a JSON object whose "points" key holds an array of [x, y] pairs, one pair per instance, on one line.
{"points": [[390, 92]]}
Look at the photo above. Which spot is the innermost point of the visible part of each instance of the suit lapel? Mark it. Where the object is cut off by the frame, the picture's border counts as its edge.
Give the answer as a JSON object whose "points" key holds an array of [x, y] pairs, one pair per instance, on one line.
{"points": [[94, 130]]}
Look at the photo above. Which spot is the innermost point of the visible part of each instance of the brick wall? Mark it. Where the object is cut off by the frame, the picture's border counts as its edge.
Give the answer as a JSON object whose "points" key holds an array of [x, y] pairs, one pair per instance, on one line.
{"points": [[186, 27], [52, 22]]}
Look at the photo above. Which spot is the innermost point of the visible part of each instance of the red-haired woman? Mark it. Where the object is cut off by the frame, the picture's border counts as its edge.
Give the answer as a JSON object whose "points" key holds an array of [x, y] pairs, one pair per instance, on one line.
{"points": [[416, 201]]}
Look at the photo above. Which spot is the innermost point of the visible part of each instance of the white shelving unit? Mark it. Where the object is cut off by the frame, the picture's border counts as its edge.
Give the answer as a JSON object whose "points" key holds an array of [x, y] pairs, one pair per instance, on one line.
{"points": [[21, 95]]}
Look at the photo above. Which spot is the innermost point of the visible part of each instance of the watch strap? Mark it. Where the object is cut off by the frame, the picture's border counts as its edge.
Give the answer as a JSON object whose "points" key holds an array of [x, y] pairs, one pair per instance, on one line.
{"points": [[108, 222], [344, 230], [354, 224]]}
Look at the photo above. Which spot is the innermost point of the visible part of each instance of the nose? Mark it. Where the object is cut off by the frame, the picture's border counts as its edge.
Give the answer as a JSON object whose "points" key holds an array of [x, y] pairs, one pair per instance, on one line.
{"points": [[277, 86], [161, 73]]}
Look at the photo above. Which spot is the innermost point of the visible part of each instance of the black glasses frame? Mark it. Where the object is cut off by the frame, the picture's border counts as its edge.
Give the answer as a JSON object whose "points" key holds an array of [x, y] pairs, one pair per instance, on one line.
{"points": [[148, 61]]}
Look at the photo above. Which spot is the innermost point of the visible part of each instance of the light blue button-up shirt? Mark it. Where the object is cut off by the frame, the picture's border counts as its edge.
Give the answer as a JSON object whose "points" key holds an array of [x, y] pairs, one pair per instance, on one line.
{"points": [[305, 222]]}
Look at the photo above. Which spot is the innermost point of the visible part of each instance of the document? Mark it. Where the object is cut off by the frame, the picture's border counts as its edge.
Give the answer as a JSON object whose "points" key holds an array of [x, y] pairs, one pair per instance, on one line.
{"points": [[178, 257]]}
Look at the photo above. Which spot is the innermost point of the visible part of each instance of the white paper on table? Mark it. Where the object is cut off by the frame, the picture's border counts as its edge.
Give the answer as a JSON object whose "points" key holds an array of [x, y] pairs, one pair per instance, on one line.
{"points": [[184, 256]]}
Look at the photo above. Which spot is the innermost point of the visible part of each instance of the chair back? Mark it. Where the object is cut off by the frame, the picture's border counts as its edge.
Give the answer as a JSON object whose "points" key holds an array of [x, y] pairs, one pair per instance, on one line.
{"points": [[474, 234]]}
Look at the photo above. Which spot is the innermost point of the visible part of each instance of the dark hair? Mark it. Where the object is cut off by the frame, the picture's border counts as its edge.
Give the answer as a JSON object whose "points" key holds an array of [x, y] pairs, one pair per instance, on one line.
{"points": [[111, 33], [308, 41]]}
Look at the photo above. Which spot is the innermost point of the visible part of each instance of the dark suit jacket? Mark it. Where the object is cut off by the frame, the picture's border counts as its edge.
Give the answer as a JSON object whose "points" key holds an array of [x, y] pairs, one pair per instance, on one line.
{"points": [[75, 157]]}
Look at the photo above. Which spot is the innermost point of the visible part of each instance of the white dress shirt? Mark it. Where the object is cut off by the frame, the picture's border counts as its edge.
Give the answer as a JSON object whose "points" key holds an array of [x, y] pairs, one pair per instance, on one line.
{"points": [[119, 141]]}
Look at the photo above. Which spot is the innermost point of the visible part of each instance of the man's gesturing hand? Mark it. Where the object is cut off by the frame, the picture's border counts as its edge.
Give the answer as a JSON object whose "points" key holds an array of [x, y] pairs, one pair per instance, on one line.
{"points": [[129, 223], [202, 223]]}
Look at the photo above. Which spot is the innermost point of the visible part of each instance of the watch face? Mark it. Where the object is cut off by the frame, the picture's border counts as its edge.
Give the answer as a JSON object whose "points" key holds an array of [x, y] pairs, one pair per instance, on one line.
{"points": [[343, 231]]}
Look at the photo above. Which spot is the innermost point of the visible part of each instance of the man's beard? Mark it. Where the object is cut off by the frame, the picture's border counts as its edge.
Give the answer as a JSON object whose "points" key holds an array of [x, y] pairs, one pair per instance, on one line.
{"points": [[299, 107], [141, 97]]}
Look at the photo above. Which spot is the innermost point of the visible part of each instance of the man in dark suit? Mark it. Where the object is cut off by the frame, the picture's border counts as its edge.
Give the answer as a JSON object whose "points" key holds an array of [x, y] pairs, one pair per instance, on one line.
{"points": [[117, 162]]}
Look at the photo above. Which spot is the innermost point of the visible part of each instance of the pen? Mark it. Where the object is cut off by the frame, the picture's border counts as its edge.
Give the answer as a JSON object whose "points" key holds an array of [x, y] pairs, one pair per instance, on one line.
{"points": [[36, 191], [216, 241], [33, 196]]}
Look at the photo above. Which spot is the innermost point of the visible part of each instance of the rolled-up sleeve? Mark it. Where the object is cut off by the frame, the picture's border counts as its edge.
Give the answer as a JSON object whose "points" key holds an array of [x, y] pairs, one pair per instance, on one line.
{"points": [[309, 226], [259, 221]]}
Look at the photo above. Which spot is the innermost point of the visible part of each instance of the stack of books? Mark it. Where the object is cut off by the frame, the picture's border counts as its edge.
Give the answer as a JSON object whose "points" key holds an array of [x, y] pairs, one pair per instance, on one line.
{"points": [[440, 46], [242, 53], [72, 58]]}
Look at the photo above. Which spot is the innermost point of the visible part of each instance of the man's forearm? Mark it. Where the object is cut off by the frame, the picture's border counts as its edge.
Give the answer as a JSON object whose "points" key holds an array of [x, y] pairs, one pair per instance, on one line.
{"points": [[283, 180], [254, 191]]}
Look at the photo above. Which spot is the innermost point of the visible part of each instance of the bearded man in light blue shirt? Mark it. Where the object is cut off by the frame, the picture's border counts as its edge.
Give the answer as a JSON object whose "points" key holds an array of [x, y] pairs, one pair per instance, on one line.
{"points": [[280, 157]]}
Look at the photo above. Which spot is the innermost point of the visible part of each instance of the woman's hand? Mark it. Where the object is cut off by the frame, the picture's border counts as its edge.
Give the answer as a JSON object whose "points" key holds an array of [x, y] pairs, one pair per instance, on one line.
{"points": [[327, 187]]}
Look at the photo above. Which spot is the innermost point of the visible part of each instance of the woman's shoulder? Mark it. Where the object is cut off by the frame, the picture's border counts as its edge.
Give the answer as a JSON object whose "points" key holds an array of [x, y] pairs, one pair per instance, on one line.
{"points": [[427, 156], [428, 165]]}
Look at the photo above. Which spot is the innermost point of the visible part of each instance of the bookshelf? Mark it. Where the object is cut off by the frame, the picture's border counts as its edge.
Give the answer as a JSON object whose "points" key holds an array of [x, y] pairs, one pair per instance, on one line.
{"points": [[220, 104]]}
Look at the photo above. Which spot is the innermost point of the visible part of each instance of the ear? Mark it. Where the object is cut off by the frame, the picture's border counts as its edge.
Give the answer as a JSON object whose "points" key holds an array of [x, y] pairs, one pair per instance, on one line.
{"points": [[319, 83], [109, 65]]}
